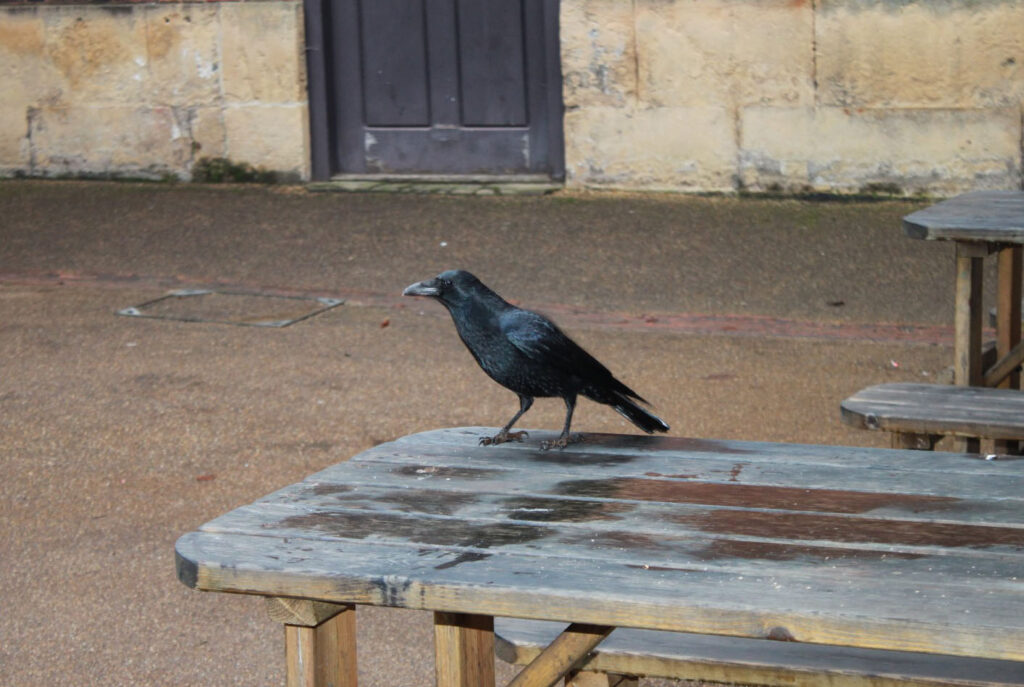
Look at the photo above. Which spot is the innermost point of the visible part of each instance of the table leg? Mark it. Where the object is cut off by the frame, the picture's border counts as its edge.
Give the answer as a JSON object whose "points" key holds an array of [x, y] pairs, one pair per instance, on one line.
{"points": [[558, 659], [1008, 321], [464, 650], [914, 441], [319, 642], [967, 370]]}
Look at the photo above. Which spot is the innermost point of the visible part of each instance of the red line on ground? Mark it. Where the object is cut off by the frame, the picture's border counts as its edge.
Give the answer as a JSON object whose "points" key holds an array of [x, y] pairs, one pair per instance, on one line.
{"points": [[681, 323]]}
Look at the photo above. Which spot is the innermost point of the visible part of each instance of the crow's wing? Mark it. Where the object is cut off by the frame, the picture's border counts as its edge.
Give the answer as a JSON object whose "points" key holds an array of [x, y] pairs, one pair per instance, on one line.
{"points": [[540, 340]]}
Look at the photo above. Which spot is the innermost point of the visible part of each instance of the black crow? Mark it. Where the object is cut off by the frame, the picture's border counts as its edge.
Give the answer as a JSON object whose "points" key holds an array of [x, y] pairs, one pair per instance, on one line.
{"points": [[526, 353]]}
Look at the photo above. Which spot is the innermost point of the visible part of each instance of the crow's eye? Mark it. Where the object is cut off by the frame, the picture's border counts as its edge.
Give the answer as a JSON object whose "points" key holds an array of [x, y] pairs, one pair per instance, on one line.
{"points": [[446, 283]]}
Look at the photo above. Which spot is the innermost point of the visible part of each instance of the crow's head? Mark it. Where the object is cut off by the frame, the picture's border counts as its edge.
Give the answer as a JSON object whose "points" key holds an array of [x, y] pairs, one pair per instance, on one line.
{"points": [[448, 287]]}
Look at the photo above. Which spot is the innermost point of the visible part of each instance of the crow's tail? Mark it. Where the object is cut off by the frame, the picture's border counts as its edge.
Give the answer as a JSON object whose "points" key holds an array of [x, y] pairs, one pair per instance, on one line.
{"points": [[645, 420]]}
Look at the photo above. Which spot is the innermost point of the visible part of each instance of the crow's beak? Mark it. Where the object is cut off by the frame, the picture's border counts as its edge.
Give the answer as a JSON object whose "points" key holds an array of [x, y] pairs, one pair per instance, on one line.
{"points": [[422, 288]]}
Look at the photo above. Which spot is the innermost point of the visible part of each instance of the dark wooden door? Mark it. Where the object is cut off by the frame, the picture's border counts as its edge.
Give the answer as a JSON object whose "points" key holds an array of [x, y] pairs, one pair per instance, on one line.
{"points": [[436, 87]]}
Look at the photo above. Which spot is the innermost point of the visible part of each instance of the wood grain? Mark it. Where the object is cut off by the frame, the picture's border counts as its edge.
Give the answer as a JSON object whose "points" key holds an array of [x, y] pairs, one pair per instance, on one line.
{"points": [[938, 409], [302, 611], [464, 650], [1010, 267], [823, 544], [566, 651], [737, 660], [324, 655], [980, 223], [990, 216], [968, 320]]}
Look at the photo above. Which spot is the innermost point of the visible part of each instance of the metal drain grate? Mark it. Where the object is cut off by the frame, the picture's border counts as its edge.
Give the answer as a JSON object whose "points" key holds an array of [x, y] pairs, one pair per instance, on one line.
{"points": [[231, 307]]}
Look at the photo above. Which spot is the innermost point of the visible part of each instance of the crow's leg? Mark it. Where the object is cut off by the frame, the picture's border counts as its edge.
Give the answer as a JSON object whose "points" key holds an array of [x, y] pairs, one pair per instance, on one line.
{"points": [[565, 438], [504, 435]]}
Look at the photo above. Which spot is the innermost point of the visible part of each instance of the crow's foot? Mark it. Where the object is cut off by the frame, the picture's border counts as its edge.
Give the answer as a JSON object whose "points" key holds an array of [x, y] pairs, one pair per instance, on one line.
{"points": [[503, 436], [561, 442]]}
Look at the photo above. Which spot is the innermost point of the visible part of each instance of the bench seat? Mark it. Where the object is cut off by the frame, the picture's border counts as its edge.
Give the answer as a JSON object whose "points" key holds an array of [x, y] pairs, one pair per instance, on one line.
{"points": [[627, 653], [919, 414]]}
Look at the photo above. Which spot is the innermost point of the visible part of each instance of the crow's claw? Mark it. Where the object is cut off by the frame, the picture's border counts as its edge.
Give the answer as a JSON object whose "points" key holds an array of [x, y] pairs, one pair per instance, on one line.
{"points": [[561, 442], [502, 437]]}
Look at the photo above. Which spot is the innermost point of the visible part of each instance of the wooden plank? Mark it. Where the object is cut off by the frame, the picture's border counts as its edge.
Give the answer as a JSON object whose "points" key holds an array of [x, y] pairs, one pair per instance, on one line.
{"points": [[996, 216], [968, 320], [441, 150], [394, 63], [732, 464], [561, 655], [738, 660], [656, 453], [464, 650], [1003, 374], [969, 556], [324, 655], [492, 62], [442, 63], [841, 609], [1008, 307], [705, 482], [977, 397], [936, 408], [651, 502], [1008, 324]]}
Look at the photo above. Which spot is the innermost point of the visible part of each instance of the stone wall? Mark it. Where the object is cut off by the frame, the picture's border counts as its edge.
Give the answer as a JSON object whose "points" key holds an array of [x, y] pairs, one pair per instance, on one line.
{"points": [[905, 96], [145, 90]]}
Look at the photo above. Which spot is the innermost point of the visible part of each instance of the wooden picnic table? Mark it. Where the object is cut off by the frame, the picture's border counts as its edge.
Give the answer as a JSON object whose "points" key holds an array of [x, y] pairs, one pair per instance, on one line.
{"points": [[873, 548], [980, 223]]}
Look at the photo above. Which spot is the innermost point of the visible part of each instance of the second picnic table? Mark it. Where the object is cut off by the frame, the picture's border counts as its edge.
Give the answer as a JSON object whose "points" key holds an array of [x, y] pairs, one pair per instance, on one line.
{"points": [[871, 548], [981, 223]]}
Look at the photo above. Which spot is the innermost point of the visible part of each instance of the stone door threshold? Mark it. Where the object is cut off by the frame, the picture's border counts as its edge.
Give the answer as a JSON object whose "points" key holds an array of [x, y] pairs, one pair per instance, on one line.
{"points": [[441, 184]]}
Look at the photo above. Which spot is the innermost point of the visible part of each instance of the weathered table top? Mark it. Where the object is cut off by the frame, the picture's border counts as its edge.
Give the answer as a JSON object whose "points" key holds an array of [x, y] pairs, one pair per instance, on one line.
{"points": [[987, 216], [876, 548]]}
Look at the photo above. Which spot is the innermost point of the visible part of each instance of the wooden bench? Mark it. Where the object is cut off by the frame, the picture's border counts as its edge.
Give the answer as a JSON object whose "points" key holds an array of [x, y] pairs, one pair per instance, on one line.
{"points": [[629, 653], [918, 415]]}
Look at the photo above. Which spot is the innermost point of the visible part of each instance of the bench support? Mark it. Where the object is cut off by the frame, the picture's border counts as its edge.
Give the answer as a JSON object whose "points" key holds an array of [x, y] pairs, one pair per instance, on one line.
{"points": [[319, 642], [571, 647], [967, 324], [915, 441], [464, 650], [1008, 322]]}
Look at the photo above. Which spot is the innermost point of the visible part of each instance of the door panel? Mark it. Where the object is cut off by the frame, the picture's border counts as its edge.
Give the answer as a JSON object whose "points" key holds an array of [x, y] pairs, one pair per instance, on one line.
{"points": [[394, 60], [436, 87], [492, 63]]}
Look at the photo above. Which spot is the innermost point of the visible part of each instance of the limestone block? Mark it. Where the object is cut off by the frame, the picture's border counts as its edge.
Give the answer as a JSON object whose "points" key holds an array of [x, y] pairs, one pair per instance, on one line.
{"points": [[182, 62], [725, 52], [14, 152], [99, 53], [263, 57], [117, 140], [598, 53], [657, 149], [27, 77], [838, 149], [920, 53], [269, 136], [208, 132]]}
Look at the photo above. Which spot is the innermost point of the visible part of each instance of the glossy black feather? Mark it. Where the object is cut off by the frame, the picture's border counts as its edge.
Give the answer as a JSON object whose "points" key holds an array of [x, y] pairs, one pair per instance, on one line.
{"points": [[527, 353]]}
